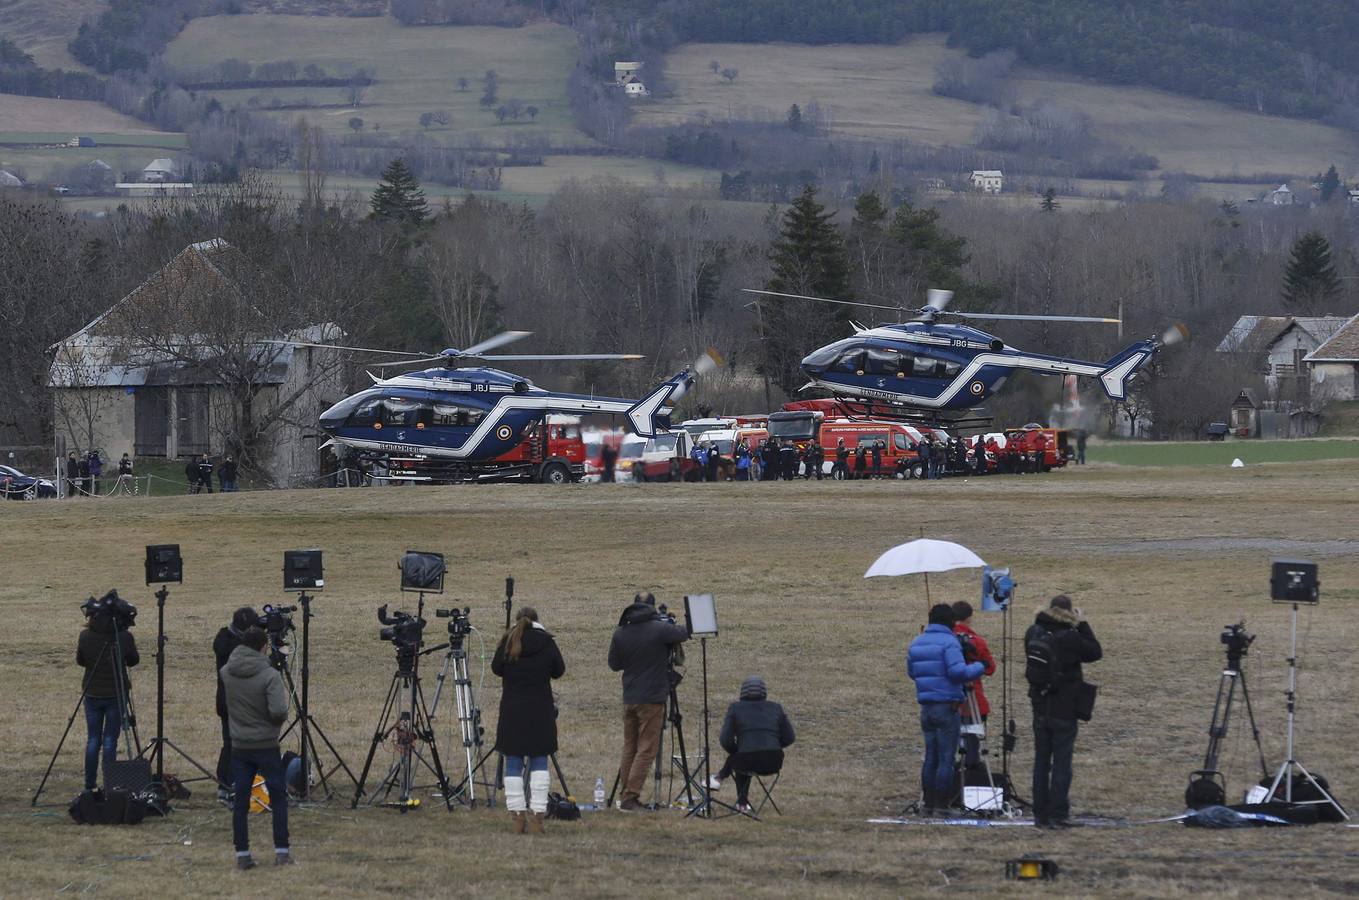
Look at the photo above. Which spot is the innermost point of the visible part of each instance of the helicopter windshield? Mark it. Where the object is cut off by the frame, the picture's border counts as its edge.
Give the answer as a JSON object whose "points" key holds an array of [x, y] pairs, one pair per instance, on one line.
{"points": [[827, 354]]}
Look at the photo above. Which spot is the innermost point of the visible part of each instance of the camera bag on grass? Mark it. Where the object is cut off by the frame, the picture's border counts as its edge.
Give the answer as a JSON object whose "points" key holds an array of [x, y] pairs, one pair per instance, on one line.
{"points": [[117, 807], [562, 808]]}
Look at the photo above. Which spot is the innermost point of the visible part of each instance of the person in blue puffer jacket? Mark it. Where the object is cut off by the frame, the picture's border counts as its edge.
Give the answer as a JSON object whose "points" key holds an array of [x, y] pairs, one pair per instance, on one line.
{"points": [[935, 663]]}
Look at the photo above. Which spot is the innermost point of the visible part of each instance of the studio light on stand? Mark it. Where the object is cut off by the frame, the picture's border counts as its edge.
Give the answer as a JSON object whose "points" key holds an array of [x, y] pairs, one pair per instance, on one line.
{"points": [[165, 566], [700, 618], [1294, 581], [303, 574]]}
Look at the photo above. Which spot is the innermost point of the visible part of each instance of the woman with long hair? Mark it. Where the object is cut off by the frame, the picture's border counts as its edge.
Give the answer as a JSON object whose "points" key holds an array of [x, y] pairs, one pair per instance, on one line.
{"points": [[527, 660]]}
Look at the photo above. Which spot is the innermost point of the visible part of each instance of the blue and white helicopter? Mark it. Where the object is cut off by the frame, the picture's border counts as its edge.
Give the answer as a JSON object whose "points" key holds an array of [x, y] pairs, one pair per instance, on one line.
{"points": [[925, 369], [460, 413]]}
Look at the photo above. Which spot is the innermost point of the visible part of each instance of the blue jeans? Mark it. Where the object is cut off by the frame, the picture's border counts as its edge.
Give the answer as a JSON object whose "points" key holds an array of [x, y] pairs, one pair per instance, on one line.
{"points": [[941, 724], [514, 765], [245, 764], [103, 721]]}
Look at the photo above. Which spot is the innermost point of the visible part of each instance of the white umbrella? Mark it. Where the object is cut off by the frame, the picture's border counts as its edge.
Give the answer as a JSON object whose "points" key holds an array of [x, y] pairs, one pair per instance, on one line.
{"points": [[922, 557]]}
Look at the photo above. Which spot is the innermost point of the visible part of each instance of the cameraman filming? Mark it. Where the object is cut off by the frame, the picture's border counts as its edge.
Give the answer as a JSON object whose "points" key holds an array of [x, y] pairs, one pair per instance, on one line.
{"points": [[641, 649], [974, 650], [228, 639], [1056, 645], [104, 686], [935, 663]]}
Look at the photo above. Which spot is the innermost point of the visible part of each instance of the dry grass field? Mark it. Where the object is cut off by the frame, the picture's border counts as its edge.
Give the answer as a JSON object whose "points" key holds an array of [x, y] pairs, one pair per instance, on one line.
{"points": [[44, 27], [29, 114], [1160, 559], [886, 91], [417, 70]]}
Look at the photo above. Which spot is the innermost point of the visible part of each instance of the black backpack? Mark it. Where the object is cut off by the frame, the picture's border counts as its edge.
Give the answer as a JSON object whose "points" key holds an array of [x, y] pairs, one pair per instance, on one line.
{"points": [[1042, 669]]}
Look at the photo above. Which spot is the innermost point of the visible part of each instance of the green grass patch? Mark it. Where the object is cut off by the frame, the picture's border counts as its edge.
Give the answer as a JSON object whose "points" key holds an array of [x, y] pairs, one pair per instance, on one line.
{"points": [[173, 140], [1213, 453]]}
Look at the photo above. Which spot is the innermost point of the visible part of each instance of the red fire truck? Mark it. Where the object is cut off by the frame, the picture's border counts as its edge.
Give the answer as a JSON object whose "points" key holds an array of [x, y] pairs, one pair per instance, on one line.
{"points": [[801, 420], [1053, 444]]}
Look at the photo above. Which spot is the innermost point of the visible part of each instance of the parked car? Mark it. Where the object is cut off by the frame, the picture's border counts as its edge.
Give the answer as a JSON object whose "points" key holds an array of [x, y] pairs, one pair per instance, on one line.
{"points": [[15, 485]]}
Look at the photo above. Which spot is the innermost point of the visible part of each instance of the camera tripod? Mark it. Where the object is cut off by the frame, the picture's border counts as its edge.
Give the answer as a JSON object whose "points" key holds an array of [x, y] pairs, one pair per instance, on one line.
{"points": [[469, 714], [974, 726], [405, 720], [1208, 786], [305, 722], [123, 693]]}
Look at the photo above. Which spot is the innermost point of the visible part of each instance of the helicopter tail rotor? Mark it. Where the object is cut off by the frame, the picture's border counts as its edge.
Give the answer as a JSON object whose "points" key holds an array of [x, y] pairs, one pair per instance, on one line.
{"points": [[647, 416], [1177, 333]]}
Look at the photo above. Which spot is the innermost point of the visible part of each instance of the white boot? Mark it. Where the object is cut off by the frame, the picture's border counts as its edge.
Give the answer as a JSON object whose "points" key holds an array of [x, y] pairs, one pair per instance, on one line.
{"points": [[539, 785], [514, 794]]}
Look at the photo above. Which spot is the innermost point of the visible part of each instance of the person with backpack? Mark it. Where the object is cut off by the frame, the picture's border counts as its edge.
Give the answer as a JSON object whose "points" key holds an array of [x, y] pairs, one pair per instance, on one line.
{"points": [[1056, 645], [935, 663]]}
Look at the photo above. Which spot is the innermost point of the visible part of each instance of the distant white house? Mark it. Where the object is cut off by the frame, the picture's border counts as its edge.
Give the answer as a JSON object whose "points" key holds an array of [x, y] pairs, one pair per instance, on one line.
{"points": [[635, 88], [161, 170], [1335, 364], [154, 189], [1281, 196], [1354, 195], [988, 181], [9, 179]]}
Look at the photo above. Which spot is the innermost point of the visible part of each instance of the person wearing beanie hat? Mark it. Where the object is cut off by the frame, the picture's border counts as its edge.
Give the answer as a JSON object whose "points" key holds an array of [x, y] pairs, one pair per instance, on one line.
{"points": [[754, 733], [1061, 636], [228, 639], [935, 663]]}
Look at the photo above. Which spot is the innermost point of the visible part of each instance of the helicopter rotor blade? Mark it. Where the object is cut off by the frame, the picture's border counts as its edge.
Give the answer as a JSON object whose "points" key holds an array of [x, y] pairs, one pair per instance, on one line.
{"points": [[821, 299], [1027, 318], [938, 299], [528, 357], [339, 347], [499, 340], [1177, 333]]}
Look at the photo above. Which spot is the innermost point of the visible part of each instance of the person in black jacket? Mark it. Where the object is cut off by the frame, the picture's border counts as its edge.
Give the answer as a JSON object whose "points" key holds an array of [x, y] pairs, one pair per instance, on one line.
{"points": [[191, 474], [105, 688], [841, 460], [228, 639], [1060, 634], [641, 650], [527, 660], [754, 734], [227, 474], [72, 475]]}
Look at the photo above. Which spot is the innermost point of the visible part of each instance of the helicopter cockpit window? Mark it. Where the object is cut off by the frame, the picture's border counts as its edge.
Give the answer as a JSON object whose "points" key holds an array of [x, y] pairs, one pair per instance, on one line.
{"points": [[890, 363], [456, 415], [851, 361], [367, 413]]}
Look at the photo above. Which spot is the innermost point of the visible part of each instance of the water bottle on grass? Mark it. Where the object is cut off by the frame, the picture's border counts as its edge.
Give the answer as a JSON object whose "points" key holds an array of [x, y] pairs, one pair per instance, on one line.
{"points": [[599, 793]]}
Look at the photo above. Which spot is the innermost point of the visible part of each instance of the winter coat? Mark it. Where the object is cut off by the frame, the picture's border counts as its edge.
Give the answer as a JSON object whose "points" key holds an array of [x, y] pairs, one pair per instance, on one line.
{"points": [[935, 663], [641, 651], [983, 655], [1075, 644], [191, 471], [257, 705], [754, 725], [528, 714], [227, 640], [99, 680], [72, 468], [125, 466], [228, 471]]}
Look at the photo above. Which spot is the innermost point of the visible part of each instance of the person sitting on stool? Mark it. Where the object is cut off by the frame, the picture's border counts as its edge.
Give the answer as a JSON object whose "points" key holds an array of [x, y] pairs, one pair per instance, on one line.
{"points": [[754, 734]]}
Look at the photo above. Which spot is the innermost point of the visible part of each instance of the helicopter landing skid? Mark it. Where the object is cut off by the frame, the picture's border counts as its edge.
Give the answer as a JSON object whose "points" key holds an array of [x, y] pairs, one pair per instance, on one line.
{"points": [[856, 408]]}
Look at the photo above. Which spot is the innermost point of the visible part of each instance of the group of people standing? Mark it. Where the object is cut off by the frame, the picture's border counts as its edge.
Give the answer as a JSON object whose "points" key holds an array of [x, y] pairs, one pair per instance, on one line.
{"points": [[198, 474], [947, 661], [84, 474]]}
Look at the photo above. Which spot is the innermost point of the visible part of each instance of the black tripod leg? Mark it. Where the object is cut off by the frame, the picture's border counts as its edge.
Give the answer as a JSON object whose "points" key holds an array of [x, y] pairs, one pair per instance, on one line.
{"points": [[339, 760], [57, 752], [684, 756], [1254, 729], [428, 734], [377, 739], [561, 779]]}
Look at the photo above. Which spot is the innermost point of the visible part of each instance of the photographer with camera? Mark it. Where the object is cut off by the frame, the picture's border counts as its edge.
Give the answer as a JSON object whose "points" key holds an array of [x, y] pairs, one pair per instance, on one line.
{"points": [[228, 639], [100, 654], [641, 649], [974, 650], [1056, 645], [527, 660], [257, 707], [935, 663]]}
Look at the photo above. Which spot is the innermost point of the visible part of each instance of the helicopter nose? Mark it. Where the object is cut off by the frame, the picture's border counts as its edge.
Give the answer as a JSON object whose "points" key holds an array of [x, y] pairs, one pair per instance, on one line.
{"points": [[332, 418]]}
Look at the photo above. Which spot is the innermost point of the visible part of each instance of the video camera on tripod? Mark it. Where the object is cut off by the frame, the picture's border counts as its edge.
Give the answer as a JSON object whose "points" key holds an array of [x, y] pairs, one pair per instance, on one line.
{"points": [[459, 621], [123, 614], [1237, 642], [403, 629]]}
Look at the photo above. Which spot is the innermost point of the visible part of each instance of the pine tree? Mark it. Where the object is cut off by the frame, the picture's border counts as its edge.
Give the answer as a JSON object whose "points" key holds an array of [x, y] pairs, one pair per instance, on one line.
{"points": [[808, 258], [1049, 202], [1330, 183], [398, 196], [795, 118], [1310, 281]]}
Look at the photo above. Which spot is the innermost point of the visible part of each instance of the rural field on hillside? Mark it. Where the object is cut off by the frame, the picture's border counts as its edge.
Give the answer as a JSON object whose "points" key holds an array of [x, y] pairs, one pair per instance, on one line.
{"points": [[44, 27], [70, 117], [1159, 560], [416, 68], [886, 91]]}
